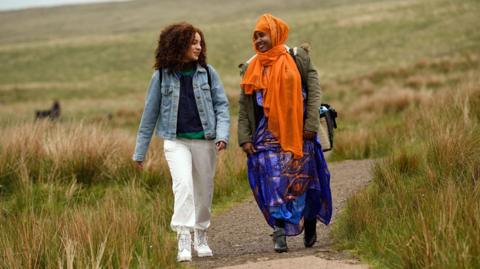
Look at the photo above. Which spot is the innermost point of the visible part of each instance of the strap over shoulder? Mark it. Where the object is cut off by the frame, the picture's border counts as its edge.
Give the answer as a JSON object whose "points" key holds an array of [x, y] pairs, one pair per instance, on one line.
{"points": [[209, 77]]}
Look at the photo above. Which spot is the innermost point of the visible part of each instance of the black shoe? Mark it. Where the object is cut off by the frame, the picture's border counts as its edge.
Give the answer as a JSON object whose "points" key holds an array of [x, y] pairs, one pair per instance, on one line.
{"points": [[310, 233], [279, 240]]}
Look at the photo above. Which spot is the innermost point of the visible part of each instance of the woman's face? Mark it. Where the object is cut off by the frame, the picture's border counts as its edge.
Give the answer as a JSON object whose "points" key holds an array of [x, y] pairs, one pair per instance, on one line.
{"points": [[194, 50], [262, 41]]}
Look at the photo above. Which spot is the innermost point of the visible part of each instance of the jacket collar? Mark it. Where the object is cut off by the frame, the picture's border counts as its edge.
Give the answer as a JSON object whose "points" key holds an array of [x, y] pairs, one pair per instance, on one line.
{"points": [[201, 68]]}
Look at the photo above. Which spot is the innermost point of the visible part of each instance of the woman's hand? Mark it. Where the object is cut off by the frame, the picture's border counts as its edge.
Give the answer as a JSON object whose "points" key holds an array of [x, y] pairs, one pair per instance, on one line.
{"points": [[248, 148], [221, 145], [308, 135], [139, 165]]}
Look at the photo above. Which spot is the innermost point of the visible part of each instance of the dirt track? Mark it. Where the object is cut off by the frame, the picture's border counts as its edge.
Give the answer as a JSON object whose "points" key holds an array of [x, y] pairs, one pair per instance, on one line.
{"points": [[240, 237]]}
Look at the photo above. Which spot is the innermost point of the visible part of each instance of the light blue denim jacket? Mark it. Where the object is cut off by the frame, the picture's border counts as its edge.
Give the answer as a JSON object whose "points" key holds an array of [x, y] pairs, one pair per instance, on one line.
{"points": [[161, 108]]}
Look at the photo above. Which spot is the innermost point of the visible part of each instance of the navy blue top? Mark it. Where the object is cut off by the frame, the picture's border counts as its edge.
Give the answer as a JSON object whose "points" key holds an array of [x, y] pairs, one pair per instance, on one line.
{"points": [[188, 119]]}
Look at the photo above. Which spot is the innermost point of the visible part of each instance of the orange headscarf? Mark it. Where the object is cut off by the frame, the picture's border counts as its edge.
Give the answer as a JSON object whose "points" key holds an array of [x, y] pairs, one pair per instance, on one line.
{"points": [[281, 85]]}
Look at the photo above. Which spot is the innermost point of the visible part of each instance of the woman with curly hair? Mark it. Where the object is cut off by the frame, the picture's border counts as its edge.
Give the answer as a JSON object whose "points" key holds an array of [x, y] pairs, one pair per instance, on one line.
{"points": [[187, 106]]}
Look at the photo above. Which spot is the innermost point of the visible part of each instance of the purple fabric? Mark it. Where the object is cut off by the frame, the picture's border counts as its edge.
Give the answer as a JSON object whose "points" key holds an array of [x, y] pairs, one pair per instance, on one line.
{"points": [[287, 188]]}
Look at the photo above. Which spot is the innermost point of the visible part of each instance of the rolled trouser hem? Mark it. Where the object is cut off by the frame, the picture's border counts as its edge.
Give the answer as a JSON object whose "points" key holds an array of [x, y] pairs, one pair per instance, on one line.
{"points": [[179, 228], [201, 227]]}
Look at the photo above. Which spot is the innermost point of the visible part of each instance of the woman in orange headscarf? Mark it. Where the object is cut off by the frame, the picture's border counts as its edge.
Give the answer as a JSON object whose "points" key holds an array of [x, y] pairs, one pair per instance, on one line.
{"points": [[278, 119]]}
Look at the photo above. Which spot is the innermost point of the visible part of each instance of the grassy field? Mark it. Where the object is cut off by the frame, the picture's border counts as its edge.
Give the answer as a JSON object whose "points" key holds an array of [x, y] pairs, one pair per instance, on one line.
{"points": [[422, 209], [71, 197], [400, 74], [97, 73]]}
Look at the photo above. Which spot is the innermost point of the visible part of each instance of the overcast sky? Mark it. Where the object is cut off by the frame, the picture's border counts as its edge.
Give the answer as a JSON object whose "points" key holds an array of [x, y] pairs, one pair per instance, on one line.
{"points": [[20, 4]]}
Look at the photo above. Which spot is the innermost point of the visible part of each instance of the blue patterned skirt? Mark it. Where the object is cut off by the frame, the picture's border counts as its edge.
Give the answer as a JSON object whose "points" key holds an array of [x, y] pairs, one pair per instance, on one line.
{"points": [[286, 188]]}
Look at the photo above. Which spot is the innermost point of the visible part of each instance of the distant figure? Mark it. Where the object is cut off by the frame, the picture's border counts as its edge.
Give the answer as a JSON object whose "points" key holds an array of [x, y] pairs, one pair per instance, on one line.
{"points": [[53, 113]]}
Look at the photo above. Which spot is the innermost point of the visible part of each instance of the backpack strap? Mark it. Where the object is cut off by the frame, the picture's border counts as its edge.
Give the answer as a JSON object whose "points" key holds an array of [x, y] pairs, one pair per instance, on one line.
{"points": [[209, 77], [293, 53]]}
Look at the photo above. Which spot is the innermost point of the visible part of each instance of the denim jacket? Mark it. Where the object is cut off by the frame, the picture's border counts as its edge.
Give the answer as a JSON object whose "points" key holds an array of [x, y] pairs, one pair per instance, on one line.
{"points": [[161, 108]]}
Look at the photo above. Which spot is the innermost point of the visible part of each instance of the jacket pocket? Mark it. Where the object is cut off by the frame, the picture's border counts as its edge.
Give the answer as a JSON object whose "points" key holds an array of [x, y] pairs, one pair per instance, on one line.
{"points": [[206, 92], [167, 102], [205, 87], [166, 90]]}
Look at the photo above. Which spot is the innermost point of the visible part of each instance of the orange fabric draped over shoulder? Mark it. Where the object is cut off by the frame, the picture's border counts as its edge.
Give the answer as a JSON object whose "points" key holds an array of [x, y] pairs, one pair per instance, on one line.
{"points": [[281, 85]]}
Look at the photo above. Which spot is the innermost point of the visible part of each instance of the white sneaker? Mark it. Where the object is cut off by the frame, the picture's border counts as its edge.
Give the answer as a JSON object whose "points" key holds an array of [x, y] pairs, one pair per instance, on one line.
{"points": [[184, 246], [201, 245]]}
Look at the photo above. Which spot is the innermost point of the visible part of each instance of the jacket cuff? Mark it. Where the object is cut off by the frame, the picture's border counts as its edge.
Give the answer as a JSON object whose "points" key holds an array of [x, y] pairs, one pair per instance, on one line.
{"points": [[240, 143], [222, 139], [138, 158], [312, 127], [315, 130]]}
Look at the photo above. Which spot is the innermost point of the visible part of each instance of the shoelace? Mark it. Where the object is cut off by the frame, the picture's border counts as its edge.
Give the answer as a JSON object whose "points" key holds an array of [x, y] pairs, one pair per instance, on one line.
{"points": [[184, 242], [202, 239]]}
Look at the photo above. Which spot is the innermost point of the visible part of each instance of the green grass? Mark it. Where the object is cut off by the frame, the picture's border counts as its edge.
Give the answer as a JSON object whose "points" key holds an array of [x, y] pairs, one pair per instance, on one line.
{"points": [[422, 208], [373, 116], [384, 65], [347, 39], [70, 194]]}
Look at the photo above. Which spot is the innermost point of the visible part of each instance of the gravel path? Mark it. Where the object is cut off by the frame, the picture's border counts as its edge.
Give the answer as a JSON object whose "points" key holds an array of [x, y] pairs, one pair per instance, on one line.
{"points": [[240, 237]]}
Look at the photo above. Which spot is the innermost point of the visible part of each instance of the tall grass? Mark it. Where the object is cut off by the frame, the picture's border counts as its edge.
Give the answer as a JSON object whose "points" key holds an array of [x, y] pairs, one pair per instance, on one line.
{"points": [[374, 108], [422, 209], [70, 197]]}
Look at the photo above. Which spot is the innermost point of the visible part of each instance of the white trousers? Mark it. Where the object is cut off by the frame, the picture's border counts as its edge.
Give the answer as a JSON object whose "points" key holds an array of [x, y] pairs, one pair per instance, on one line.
{"points": [[192, 167]]}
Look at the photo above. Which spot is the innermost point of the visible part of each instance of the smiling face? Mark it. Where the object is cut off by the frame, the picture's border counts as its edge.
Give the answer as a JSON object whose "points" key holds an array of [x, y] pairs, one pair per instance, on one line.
{"points": [[194, 50], [262, 41]]}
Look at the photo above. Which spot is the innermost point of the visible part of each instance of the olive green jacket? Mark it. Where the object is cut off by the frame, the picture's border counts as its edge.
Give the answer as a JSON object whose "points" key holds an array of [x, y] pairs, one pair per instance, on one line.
{"points": [[246, 115]]}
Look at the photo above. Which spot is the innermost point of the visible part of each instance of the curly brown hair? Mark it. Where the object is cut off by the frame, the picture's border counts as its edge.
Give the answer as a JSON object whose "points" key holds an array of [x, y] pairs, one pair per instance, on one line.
{"points": [[174, 42]]}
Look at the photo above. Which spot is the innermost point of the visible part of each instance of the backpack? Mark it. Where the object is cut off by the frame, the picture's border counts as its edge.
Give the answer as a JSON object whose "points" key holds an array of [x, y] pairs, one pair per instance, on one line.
{"points": [[328, 122], [328, 115]]}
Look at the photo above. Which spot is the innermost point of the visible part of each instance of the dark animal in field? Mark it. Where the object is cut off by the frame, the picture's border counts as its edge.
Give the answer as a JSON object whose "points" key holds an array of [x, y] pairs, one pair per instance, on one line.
{"points": [[53, 113]]}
